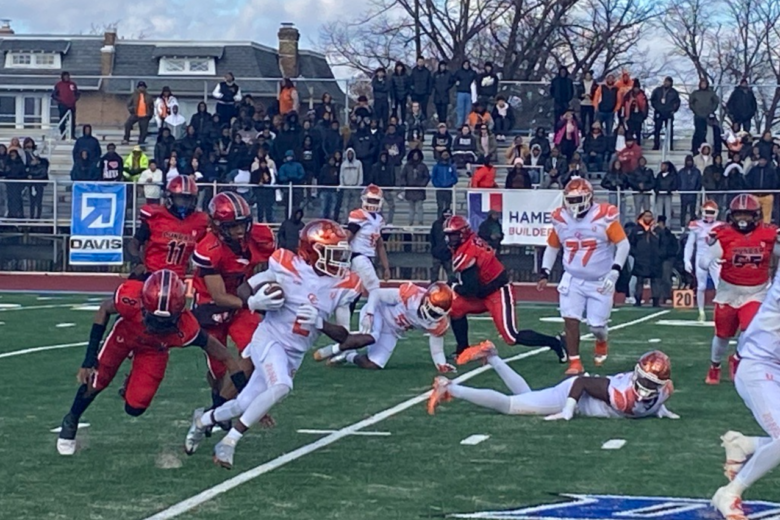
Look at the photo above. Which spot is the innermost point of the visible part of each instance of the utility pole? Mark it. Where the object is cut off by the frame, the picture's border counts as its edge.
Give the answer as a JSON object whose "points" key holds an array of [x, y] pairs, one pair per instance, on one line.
{"points": [[417, 38]]}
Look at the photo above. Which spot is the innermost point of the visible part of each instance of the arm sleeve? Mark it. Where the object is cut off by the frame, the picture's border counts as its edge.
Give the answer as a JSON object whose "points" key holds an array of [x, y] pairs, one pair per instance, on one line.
{"points": [[549, 257], [386, 296], [689, 246], [217, 93], [436, 344], [622, 249], [343, 316], [143, 233]]}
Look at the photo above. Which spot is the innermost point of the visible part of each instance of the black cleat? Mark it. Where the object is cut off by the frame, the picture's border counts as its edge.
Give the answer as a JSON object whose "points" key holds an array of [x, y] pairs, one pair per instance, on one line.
{"points": [[560, 350], [70, 426]]}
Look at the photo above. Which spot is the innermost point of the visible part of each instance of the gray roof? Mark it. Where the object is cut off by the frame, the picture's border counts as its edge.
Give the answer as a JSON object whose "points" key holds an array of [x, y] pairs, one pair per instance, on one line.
{"points": [[81, 59], [174, 51], [47, 46]]}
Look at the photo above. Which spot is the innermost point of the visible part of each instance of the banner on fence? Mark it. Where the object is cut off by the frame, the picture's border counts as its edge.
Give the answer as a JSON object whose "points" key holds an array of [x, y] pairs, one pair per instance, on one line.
{"points": [[98, 222], [525, 214]]}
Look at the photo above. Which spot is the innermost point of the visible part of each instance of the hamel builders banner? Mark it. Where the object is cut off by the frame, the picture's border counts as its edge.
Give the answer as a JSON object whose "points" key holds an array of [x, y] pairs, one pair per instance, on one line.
{"points": [[525, 214], [97, 223]]}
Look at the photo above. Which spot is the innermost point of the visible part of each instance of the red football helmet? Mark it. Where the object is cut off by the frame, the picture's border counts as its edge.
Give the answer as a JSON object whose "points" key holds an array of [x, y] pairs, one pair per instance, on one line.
{"points": [[436, 302], [578, 197], [163, 298], [457, 230], [181, 195], [324, 246], [231, 216], [372, 198], [652, 372], [744, 212], [709, 211]]}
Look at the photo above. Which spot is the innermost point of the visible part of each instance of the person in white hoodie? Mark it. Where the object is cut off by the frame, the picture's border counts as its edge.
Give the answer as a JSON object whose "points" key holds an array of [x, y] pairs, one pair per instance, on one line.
{"points": [[350, 181], [162, 106], [704, 157], [176, 122], [151, 179]]}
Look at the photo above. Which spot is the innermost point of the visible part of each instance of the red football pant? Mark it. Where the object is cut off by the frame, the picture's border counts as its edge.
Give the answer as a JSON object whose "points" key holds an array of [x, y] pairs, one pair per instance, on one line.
{"points": [[240, 329], [146, 373], [501, 306], [728, 320]]}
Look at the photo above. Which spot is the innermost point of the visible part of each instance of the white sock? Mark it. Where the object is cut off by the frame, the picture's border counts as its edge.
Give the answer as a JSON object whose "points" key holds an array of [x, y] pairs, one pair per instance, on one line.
{"points": [[700, 299], [232, 437], [719, 348], [511, 379], [350, 357], [764, 460], [261, 404], [481, 397]]}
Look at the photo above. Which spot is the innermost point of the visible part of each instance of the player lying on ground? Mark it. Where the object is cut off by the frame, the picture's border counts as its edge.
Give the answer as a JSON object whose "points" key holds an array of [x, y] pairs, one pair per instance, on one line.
{"points": [[744, 251], [699, 232], [151, 320], [758, 383], [316, 284], [633, 395], [595, 248], [484, 287], [387, 315]]}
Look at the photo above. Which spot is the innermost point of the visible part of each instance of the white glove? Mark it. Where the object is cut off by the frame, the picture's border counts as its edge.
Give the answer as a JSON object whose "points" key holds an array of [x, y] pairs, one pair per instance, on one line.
{"points": [[566, 414], [309, 315], [446, 368], [688, 267], [664, 413], [367, 324], [608, 287], [265, 302]]}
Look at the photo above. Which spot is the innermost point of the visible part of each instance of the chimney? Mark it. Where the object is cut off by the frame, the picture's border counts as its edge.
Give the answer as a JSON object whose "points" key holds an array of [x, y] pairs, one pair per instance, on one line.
{"points": [[5, 27], [107, 53], [288, 50]]}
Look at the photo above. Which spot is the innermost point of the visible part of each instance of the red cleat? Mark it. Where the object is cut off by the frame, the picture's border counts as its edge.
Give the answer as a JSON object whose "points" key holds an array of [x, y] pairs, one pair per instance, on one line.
{"points": [[601, 352], [713, 376], [482, 350], [575, 368], [733, 365]]}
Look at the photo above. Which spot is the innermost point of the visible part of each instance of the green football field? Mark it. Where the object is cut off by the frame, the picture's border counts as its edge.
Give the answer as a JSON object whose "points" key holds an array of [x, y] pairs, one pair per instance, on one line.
{"points": [[386, 460]]}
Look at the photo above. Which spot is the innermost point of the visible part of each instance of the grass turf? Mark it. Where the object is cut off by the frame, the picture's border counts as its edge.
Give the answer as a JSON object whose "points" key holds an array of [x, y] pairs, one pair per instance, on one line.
{"points": [[130, 468]]}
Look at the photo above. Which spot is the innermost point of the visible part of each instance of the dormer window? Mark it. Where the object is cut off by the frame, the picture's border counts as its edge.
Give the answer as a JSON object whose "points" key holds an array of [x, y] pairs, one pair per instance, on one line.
{"points": [[32, 60], [192, 66]]}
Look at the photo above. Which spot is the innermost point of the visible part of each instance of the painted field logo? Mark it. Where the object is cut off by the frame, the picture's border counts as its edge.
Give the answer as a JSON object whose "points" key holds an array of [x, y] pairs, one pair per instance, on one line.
{"points": [[609, 507]]}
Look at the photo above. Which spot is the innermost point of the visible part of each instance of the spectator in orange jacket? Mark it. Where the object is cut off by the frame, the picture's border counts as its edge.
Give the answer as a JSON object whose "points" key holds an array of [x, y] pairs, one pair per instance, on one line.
{"points": [[288, 97], [634, 111], [605, 101], [480, 116], [484, 176]]}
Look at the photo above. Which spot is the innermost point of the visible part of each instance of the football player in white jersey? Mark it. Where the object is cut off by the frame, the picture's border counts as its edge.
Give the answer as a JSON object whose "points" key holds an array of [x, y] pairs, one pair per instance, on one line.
{"points": [[365, 238], [389, 313], [758, 383], [315, 284], [595, 248], [631, 395], [699, 236]]}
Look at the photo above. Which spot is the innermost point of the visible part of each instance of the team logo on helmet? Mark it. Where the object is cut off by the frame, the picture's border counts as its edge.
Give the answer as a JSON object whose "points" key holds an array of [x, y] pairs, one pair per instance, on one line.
{"points": [[324, 246], [651, 373]]}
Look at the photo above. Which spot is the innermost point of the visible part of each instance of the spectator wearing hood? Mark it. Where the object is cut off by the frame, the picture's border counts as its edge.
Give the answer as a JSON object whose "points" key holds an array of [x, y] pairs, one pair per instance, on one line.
{"points": [[291, 173], [464, 148], [629, 155], [490, 230], [15, 170], [332, 141], [288, 236], [201, 122], [540, 138], [641, 181], [464, 78], [87, 142], [327, 184], [760, 178], [690, 182], [380, 89], [442, 84], [648, 258], [175, 122], [518, 178], [394, 144], [444, 176], [665, 101], [704, 158], [487, 85], [111, 165], [635, 110], [586, 91], [361, 112], [325, 105], [366, 147], [666, 183], [399, 91], [556, 165], [84, 168], [135, 163], [163, 106], [141, 109], [290, 138], [503, 118], [228, 95], [713, 181], [595, 147], [607, 102], [350, 181], [440, 251], [480, 116], [615, 181], [562, 92], [66, 94], [164, 145], [310, 159], [702, 103], [567, 134], [486, 143], [535, 164], [383, 175], [421, 85], [742, 106], [188, 145], [152, 181], [415, 175], [734, 174], [765, 145]]}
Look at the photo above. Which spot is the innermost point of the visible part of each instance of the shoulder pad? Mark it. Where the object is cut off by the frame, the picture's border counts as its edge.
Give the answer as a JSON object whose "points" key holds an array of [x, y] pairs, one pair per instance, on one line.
{"points": [[351, 281], [127, 298], [208, 252], [607, 212], [408, 290], [283, 260], [357, 215], [693, 224], [264, 238], [149, 211], [557, 215]]}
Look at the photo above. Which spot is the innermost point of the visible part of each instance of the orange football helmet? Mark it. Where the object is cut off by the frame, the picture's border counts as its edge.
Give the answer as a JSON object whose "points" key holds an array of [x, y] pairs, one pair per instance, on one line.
{"points": [[372, 198], [436, 302], [709, 211], [457, 230], [325, 247], [578, 197], [653, 371]]}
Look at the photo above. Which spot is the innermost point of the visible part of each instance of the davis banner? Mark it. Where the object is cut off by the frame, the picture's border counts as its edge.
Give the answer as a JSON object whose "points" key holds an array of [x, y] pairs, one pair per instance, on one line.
{"points": [[525, 214], [98, 219]]}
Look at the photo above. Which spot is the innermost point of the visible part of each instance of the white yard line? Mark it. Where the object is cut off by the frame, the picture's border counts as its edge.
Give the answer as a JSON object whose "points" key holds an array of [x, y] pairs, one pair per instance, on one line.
{"points": [[37, 307], [40, 349], [328, 432], [213, 492]]}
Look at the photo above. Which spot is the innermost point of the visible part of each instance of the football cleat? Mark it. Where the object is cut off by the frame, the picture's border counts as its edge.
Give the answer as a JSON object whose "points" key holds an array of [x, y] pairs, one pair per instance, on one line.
{"points": [[439, 394], [326, 352], [575, 368], [66, 441], [482, 350], [713, 376], [600, 353], [702, 317], [733, 365], [560, 350], [223, 454], [738, 451], [729, 504], [196, 433], [339, 359]]}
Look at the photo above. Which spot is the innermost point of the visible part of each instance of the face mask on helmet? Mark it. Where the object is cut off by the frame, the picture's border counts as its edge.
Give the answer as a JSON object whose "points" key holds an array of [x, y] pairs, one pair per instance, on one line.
{"points": [[646, 385], [181, 205], [159, 324], [454, 239], [371, 203], [429, 312], [333, 260], [234, 233], [578, 204], [709, 214], [744, 221]]}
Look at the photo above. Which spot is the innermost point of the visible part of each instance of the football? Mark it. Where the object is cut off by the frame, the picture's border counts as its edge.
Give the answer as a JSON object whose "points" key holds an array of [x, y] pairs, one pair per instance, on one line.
{"points": [[270, 288]]}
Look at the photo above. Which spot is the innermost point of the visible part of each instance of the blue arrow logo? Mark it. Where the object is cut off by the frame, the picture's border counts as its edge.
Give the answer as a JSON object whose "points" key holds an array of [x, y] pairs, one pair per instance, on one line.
{"points": [[98, 210]]}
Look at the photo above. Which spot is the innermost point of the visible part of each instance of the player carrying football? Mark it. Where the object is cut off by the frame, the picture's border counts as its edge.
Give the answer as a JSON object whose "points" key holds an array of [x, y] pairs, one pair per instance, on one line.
{"points": [[168, 233], [699, 232], [484, 287], [744, 251], [316, 284], [365, 238], [595, 248], [387, 315], [226, 258], [151, 320], [632, 395], [758, 383]]}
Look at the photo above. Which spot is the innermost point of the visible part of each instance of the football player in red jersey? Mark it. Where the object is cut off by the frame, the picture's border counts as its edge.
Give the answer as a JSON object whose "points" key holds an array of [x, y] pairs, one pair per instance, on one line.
{"points": [[169, 232], [744, 250], [151, 320], [484, 287], [226, 258]]}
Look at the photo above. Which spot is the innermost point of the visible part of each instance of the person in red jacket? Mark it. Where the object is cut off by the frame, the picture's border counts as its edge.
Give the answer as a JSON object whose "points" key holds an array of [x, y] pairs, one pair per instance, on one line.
{"points": [[485, 175], [634, 111], [65, 94]]}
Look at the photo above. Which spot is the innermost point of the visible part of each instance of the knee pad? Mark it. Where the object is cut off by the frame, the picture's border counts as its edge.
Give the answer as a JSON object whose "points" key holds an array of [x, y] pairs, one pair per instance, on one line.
{"points": [[601, 333], [135, 412]]}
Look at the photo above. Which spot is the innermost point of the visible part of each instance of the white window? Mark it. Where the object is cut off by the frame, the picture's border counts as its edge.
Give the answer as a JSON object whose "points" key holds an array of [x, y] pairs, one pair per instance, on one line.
{"points": [[30, 60], [187, 66]]}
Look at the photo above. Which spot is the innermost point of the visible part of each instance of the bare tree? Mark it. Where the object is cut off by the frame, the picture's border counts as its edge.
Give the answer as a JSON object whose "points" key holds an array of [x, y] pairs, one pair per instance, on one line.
{"points": [[98, 29]]}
